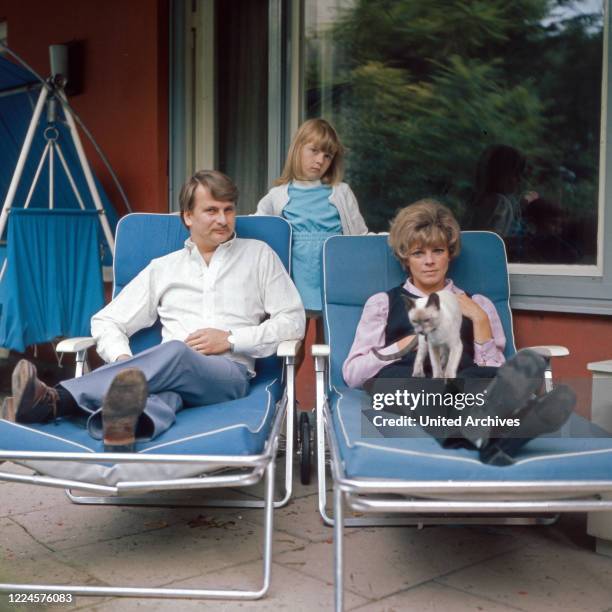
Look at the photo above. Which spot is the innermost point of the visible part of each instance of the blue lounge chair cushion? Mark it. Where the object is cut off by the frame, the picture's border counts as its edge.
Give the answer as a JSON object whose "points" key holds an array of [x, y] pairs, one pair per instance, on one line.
{"points": [[237, 427], [587, 455]]}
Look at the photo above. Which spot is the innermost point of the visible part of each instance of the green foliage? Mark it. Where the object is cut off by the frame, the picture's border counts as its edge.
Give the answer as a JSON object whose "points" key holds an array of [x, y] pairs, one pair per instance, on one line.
{"points": [[420, 89]]}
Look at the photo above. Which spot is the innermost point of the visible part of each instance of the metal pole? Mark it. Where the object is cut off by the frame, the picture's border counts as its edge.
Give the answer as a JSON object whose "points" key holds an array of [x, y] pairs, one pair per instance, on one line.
{"points": [[3, 270], [17, 90], [320, 366], [338, 526], [36, 176], [51, 173], [290, 429], [23, 155], [268, 526], [87, 171]]}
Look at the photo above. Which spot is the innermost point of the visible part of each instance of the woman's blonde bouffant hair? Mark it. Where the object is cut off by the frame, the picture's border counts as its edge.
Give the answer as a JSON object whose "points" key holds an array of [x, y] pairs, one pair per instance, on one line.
{"points": [[426, 223], [321, 134]]}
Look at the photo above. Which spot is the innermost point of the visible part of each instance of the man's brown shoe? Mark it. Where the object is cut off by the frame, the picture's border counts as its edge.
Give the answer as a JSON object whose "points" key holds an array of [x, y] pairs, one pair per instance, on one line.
{"points": [[123, 404], [32, 400]]}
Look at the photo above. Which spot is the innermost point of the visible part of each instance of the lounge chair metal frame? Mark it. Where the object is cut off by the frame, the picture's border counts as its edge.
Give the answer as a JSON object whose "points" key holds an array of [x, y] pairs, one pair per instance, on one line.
{"points": [[258, 466]]}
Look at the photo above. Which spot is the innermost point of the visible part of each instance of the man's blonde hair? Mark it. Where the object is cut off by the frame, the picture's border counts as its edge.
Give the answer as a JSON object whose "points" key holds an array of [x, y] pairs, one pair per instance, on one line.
{"points": [[323, 136], [424, 224], [221, 188]]}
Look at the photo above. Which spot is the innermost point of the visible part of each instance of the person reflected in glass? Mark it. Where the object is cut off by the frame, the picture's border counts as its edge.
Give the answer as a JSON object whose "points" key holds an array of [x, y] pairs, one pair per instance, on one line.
{"points": [[499, 203], [545, 238]]}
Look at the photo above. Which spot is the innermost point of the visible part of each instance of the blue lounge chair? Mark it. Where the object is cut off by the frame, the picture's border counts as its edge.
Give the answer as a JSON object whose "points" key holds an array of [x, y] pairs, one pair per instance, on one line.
{"points": [[570, 471], [232, 444]]}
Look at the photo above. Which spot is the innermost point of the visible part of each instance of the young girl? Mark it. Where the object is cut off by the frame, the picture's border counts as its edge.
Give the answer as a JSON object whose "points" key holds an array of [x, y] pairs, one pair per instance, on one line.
{"points": [[310, 194]]}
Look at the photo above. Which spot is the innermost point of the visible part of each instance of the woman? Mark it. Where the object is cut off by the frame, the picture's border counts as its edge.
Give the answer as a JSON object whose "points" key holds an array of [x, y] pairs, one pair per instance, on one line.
{"points": [[425, 237]]}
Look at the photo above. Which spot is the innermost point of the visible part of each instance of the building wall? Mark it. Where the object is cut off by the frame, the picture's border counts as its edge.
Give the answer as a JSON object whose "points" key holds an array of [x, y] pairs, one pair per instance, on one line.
{"points": [[124, 102], [589, 338]]}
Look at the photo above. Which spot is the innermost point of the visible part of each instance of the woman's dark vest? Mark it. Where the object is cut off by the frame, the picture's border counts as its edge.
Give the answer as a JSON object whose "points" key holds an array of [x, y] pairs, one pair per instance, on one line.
{"points": [[399, 326]]}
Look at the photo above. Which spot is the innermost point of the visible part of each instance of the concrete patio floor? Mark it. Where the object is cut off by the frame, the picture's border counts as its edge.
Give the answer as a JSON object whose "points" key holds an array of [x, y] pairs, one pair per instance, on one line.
{"points": [[45, 537]]}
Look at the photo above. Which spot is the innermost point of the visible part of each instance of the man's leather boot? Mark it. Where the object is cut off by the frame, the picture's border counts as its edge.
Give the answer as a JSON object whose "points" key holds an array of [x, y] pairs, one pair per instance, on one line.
{"points": [[32, 401], [123, 404]]}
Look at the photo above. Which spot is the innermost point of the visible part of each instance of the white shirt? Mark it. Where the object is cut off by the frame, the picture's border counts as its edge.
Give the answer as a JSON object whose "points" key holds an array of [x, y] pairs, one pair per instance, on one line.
{"points": [[243, 289]]}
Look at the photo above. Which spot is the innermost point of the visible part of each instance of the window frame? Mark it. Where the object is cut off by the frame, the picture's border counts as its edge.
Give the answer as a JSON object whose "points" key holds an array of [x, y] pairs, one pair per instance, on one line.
{"points": [[577, 289]]}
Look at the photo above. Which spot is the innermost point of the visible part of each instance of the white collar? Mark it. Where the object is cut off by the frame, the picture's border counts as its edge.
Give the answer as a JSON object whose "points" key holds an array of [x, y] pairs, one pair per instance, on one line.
{"points": [[306, 184], [224, 246], [448, 286]]}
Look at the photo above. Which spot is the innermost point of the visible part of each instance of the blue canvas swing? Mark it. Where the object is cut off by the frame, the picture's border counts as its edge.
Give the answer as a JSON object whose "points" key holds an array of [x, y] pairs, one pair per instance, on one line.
{"points": [[50, 266], [53, 281]]}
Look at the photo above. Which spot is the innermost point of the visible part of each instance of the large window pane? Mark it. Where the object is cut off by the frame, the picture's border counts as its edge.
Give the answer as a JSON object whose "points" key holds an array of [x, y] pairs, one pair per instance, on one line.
{"points": [[492, 107]]}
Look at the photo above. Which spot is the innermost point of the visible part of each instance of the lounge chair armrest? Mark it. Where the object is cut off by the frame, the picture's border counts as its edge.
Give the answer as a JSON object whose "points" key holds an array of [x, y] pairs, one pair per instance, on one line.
{"points": [[320, 350], [288, 348], [549, 350], [601, 366], [74, 345]]}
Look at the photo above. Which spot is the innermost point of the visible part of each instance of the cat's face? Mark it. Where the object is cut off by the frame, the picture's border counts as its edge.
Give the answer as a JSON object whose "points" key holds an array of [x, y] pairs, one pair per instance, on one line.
{"points": [[425, 317]]}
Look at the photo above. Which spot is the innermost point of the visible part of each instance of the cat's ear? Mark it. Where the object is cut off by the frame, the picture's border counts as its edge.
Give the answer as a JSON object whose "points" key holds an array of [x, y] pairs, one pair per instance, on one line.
{"points": [[408, 302], [434, 300]]}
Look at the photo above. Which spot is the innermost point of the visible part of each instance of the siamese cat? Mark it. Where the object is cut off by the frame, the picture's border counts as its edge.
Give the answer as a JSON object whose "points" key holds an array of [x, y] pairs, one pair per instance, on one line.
{"points": [[437, 322]]}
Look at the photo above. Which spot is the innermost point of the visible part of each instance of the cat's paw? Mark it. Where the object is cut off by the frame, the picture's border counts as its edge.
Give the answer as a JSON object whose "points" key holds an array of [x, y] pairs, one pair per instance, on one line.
{"points": [[418, 373]]}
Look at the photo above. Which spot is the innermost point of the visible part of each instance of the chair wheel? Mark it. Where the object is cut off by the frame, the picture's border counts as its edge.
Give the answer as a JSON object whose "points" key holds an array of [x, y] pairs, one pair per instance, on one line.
{"points": [[305, 448]]}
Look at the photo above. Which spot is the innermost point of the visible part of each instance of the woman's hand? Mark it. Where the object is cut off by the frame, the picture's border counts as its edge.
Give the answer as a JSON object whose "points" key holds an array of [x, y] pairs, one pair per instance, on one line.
{"points": [[479, 318], [469, 308]]}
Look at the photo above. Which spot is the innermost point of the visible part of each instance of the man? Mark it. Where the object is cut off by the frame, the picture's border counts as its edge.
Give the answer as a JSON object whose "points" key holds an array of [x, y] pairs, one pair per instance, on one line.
{"points": [[222, 302]]}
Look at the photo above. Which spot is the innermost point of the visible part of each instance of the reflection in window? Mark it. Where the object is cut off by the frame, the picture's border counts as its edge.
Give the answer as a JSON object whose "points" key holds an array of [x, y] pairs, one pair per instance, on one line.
{"points": [[492, 107]]}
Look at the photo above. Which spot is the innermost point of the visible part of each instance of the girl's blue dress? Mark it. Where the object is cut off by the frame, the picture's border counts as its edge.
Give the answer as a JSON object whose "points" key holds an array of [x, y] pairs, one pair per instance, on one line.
{"points": [[313, 218]]}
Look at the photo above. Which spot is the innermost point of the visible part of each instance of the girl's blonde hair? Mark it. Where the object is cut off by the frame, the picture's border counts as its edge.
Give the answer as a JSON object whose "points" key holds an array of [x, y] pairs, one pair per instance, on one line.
{"points": [[323, 136], [426, 223]]}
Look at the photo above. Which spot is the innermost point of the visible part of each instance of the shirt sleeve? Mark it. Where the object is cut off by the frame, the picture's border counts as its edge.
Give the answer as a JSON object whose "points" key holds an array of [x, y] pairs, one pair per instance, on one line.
{"points": [[359, 225], [281, 302], [491, 352], [361, 362], [133, 309]]}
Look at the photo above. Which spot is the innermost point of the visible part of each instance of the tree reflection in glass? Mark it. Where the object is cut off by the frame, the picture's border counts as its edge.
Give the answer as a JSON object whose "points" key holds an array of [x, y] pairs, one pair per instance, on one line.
{"points": [[422, 92]]}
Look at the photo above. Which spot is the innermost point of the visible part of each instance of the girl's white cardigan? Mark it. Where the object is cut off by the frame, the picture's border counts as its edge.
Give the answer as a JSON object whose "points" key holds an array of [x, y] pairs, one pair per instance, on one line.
{"points": [[341, 197]]}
